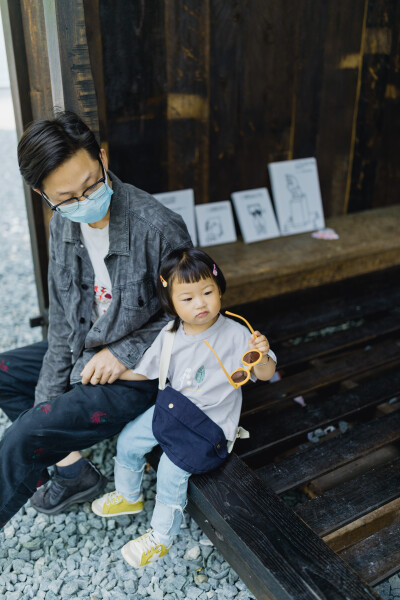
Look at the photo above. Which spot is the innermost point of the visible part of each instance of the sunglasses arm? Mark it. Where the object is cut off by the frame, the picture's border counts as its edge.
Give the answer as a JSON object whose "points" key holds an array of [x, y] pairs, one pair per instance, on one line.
{"points": [[239, 317], [221, 365]]}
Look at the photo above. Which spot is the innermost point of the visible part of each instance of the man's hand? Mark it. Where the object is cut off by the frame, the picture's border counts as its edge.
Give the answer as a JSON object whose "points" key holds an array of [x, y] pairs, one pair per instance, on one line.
{"points": [[103, 368]]}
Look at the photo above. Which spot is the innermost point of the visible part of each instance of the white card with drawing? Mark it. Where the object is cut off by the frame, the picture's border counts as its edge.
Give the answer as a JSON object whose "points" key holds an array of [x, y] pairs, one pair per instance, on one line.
{"points": [[255, 215], [181, 202], [215, 223], [297, 195]]}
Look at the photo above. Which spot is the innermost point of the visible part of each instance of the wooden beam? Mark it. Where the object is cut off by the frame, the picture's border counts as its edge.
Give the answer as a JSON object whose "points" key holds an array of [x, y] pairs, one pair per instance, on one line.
{"points": [[271, 549], [70, 69], [23, 82]]}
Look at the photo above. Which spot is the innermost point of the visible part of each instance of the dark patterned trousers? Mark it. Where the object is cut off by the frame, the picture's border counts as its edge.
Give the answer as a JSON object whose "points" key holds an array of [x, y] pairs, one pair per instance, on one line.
{"points": [[42, 435]]}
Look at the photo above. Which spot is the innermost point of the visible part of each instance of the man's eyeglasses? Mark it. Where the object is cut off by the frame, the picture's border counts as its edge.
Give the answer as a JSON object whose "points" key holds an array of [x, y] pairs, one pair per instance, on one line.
{"points": [[71, 205], [251, 358]]}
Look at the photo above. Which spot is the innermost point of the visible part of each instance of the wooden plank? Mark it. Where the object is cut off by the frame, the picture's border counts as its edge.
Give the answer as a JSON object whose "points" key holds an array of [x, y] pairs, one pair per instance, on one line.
{"points": [[188, 64], [387, 172], [298, 313], [355, 363], [29, 86], [273, 551], [355, 468], [378, 556], [380, 83], [95, 49], [352, 499], [70, 70], [339, 100], [368, 331], [270, 429], [134, 58], [363, 527], [369, 241], [262, 113], [301, 467]]}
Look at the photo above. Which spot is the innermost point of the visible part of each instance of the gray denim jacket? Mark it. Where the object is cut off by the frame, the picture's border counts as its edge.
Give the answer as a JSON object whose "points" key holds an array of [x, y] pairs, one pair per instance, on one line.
{"points": [[142, 232]]}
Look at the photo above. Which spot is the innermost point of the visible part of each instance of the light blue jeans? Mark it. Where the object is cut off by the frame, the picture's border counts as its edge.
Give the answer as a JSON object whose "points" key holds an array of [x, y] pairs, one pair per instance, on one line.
{"points": [[136, 440]]}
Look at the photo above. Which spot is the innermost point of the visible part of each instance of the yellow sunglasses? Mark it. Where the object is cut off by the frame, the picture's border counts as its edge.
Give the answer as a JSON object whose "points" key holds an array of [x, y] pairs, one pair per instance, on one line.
{"points": [[251, 358]]}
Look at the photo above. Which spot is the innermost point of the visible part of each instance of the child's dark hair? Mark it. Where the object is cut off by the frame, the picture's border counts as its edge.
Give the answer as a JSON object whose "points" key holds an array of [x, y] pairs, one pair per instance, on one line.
{"points": [[186, 265]]}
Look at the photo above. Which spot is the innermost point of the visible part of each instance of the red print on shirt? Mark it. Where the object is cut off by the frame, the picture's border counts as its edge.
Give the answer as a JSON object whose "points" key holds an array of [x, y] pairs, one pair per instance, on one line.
{"points": [[102, 297]]}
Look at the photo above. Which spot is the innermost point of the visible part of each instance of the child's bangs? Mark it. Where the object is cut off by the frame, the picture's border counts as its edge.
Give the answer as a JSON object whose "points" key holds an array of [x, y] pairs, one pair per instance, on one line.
{"points": [[192, 273]]}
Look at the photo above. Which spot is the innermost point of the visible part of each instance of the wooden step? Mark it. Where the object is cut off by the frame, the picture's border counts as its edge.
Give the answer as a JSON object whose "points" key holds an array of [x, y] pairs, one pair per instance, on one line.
{"points": [[331, 454], [375, 329], [352, 499], [271, 549], [355, 363], [269, 429], [377, 556]]}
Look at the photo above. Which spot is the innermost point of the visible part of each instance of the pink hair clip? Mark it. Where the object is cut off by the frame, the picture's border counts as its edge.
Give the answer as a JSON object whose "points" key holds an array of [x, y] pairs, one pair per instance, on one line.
{"points": [[215, 272], [164, 283]]}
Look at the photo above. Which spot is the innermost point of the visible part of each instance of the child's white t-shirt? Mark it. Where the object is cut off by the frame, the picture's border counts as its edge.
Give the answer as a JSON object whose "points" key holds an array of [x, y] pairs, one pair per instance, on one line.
{"points": [[97, 243], [195, 372]]}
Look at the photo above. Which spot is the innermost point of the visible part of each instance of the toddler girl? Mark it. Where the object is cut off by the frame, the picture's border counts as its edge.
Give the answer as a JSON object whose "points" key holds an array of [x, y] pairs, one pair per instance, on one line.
{"points": [[203, 364]]}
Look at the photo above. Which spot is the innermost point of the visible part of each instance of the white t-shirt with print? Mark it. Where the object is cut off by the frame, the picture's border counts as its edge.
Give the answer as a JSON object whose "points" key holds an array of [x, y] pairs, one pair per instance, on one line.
{"points": [[195, 372], [97, 243]]}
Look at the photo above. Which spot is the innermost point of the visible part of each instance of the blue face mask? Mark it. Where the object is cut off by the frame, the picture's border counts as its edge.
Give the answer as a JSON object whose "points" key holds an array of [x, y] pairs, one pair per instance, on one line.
{"points": [[92, 209]]}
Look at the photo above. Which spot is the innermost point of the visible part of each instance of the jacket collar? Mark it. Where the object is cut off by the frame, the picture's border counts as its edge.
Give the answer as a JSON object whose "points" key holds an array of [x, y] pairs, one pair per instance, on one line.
{"points": [[119, 221]]}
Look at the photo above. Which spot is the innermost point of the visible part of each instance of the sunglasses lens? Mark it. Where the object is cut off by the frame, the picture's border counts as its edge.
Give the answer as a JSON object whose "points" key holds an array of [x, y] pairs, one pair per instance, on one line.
{"points": [[251, 357], [239, 376]]}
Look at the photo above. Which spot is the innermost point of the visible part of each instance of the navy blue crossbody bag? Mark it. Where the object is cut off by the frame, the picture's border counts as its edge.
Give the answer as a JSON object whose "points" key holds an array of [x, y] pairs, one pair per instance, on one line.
{"points": [[189, 438]]}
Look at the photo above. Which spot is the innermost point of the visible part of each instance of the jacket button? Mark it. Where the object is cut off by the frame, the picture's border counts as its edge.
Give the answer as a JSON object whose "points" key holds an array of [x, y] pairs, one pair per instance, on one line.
{"points": [[218, 446], [82, 320], [84, 286], [170, 405]]}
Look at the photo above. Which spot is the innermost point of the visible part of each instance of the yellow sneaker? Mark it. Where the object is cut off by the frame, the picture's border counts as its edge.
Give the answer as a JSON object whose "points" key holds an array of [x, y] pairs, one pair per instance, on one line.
{"points": [[144, 550], [113, 504]]}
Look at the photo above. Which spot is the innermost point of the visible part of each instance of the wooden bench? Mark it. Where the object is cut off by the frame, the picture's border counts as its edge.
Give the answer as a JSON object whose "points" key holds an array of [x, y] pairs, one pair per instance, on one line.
{"points": [[344, 536]]}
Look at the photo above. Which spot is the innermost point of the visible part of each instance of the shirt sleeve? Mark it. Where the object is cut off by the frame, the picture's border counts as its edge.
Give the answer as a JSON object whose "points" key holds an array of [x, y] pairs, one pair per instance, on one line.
{"points": [[149, 364]]}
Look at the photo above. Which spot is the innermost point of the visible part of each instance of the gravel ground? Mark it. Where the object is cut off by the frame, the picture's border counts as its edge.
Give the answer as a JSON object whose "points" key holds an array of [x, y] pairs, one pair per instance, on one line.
{"points": [[77, 554]]}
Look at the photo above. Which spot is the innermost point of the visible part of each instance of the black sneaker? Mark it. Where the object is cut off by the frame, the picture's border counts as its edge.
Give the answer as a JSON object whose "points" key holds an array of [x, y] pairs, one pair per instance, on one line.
{"points": [[59, 492]]}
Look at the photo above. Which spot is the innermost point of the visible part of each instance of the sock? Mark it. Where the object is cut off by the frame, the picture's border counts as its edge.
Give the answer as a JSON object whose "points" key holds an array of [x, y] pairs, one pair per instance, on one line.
{"points": [[71, 471], [164, 539]]}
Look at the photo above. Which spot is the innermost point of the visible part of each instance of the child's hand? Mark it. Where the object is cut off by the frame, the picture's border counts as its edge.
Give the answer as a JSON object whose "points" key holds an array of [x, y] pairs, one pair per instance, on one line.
{"points": [[259, 342]]}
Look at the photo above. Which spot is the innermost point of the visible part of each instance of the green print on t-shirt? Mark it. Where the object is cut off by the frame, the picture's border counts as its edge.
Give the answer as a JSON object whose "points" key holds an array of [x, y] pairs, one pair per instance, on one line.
{"points": [[200, 374]]}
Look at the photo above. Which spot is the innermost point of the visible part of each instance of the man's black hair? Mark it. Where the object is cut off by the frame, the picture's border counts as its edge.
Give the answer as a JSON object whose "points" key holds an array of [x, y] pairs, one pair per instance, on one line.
{"points": [[186, 265], [47, 144]]}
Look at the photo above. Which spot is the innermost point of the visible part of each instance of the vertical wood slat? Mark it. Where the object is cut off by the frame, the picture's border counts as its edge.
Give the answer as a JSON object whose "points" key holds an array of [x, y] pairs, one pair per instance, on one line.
{"points": [[135, 75], [187, 48], [95, 48], [70, 68], [339, 101], [23, 84], [376, 173]]}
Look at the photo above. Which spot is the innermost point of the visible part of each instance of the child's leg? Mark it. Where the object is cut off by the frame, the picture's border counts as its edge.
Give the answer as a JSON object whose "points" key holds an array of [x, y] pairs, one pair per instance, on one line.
{"points": [[172, 484], [135, 440]]}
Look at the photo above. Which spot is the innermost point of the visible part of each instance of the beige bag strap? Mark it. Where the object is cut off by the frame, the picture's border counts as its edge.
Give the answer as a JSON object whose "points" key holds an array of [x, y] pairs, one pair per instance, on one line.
{"points": [[165, 358]]}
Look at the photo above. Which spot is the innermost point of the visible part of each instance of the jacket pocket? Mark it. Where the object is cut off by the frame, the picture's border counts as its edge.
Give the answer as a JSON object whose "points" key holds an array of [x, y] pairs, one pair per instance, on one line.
{"points": [[138, 295], [63, 278]]}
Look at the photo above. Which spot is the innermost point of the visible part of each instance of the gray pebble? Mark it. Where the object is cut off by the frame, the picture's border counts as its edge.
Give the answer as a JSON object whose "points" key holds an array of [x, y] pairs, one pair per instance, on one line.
{"points": [[230, 591], [193, 592]]}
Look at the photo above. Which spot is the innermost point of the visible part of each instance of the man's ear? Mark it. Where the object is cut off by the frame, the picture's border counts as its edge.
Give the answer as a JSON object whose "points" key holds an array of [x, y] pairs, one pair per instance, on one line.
{"points": [[104, 158]]}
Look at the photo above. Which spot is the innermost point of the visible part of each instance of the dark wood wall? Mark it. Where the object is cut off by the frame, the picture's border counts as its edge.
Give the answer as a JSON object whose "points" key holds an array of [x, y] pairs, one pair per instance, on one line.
{"points": [[205, 94]]}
